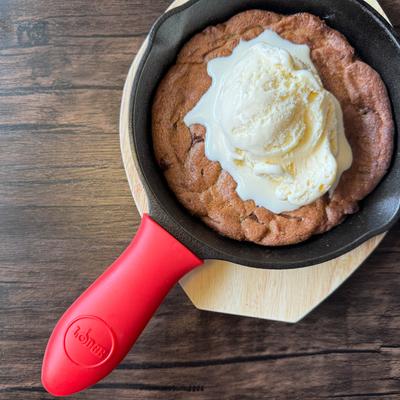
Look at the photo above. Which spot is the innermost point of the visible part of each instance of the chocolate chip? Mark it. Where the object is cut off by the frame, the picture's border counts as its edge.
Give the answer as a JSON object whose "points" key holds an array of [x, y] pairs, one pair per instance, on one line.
{"points": [[164, 164]]}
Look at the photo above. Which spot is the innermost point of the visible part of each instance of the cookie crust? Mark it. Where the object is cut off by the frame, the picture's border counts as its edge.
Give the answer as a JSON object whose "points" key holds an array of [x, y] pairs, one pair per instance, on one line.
{"points": [[208, 192]]}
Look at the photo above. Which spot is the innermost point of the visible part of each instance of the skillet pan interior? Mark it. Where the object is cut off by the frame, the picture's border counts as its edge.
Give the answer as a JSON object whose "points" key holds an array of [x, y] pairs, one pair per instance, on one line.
{"points": [[375, 42]]}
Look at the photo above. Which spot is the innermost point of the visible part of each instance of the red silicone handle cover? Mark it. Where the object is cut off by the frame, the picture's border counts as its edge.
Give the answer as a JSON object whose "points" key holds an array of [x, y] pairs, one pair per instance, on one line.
{"points": [[98, 330]]}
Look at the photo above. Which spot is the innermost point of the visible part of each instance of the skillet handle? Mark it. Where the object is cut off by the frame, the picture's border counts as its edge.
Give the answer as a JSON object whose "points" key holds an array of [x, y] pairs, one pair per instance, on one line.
{"points": [[98, 330]]}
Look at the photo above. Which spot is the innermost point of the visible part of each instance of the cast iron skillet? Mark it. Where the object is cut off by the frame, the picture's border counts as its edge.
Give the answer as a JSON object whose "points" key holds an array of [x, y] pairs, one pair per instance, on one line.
{"points": [[375, 42], [97, 331]]}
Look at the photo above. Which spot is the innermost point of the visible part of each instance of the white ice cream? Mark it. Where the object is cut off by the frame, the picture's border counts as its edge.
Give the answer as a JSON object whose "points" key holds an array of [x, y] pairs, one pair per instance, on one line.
{"points": [[272, 125]]}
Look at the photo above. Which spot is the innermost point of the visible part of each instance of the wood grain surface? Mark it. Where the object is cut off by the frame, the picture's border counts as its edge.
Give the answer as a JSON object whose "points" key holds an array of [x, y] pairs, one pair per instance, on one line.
{"points": [[66, 212]]}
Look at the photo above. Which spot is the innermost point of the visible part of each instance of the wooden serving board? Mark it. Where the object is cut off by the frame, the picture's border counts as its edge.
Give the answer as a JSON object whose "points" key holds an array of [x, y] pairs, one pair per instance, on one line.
{"points": [[220, 286]]}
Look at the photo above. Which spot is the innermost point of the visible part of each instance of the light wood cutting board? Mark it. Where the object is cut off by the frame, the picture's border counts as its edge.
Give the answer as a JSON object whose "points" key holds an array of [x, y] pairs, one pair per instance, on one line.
{"points": [[220, 286]]}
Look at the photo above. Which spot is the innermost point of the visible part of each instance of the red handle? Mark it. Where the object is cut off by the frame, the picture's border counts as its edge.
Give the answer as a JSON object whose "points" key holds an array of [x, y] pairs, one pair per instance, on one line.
{"points": [[98, 330]]}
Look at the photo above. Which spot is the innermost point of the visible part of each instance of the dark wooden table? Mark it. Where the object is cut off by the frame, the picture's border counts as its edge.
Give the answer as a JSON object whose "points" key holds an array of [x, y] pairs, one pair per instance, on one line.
{"points": [[66, 212]]}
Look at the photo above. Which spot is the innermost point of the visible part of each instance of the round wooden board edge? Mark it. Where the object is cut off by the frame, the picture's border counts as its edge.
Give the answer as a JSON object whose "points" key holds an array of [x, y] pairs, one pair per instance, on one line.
{"points": [[218, 286]]}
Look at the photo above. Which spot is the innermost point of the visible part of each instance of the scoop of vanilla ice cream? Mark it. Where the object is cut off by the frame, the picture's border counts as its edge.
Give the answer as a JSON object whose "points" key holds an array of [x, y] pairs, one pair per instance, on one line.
{"points": [[272, 125]]}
